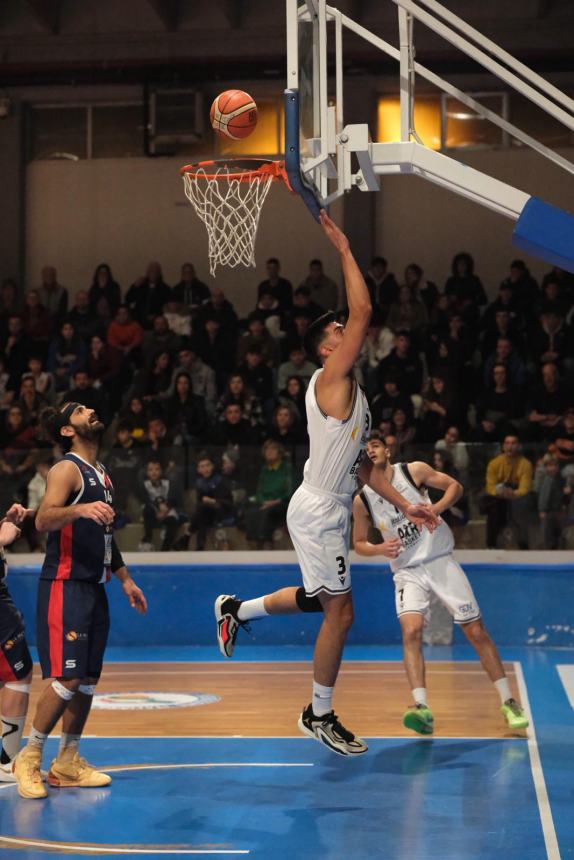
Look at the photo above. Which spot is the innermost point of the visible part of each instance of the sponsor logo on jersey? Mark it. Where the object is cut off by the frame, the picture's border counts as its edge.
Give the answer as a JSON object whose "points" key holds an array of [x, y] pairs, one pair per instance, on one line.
{"points": [[354, 432], [9, 644], [151, 701], [70, 664], [73, 636], [465, 608], [92, 482]]}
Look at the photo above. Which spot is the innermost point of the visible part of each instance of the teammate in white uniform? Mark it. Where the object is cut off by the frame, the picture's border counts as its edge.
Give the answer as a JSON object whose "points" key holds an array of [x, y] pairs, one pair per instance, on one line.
{"points": [[422, 564], [320, 511]]}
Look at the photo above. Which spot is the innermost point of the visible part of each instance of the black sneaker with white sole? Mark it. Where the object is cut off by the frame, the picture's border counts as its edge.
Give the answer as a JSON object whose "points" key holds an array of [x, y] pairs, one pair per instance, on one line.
{"points": [[228, 624], [330, 732]]}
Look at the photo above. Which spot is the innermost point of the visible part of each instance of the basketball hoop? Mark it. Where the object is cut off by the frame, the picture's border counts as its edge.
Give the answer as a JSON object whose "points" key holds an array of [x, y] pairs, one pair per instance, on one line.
{"points": [[228, 196]]}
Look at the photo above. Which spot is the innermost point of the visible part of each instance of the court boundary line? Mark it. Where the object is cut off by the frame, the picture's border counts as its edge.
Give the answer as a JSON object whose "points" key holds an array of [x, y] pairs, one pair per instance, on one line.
{"points": [[299, 737], [542, 799]]}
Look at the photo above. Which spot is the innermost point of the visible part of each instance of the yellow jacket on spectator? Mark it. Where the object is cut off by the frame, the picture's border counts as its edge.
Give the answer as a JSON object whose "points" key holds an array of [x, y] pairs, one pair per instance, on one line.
{"points": [[515, 473]]}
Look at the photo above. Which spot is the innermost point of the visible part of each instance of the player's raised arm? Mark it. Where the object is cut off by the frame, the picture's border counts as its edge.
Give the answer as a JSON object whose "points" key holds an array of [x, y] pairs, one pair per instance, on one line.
{"points": [[53, 513], [361, 544], [421, 515], [425, 475], [341, 360]]}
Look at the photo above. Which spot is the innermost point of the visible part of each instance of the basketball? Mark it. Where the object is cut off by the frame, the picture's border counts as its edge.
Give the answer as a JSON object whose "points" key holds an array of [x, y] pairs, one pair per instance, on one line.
{"points": [[233, 114]]}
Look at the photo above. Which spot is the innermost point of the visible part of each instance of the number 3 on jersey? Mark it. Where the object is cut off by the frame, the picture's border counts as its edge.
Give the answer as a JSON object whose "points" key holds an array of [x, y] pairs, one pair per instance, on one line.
{"points": [[342, 568]]}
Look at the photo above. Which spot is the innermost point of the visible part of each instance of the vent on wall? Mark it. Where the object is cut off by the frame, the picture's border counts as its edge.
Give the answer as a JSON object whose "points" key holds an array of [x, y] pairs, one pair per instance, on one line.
{"points": [[175, 120]]}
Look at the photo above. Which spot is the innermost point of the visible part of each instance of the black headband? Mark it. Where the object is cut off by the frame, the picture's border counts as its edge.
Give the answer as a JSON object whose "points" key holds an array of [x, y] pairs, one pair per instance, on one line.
{"points": [[66, 413]]}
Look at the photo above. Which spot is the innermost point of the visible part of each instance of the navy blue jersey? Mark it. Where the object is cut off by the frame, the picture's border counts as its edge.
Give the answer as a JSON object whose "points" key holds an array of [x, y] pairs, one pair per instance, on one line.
{"points": [[82, 549]]}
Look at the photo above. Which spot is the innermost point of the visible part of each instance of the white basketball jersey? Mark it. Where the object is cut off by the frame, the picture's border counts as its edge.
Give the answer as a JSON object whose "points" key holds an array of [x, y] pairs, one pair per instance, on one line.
{"points": [[419, 545], [336, 448]]}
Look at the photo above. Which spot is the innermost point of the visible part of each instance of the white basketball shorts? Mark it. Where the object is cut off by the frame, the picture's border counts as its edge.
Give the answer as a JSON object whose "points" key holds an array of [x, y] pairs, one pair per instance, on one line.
{"points": [[320, 525], [442, 577]]}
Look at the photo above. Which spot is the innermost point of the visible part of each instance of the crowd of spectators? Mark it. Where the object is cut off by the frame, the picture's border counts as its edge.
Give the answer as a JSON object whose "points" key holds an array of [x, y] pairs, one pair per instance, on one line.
{"points": [[206, 411]]}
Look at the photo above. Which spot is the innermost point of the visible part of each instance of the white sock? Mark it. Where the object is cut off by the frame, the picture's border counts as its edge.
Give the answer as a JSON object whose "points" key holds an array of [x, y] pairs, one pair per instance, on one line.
{"points": [[36, 738], [503, 688], [252, 609], [12, 728], [68, 744], [420, 696], [322, 699]]}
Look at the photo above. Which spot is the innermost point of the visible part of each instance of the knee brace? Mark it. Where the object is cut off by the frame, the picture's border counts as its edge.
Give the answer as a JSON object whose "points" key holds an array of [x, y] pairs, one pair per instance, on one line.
{"points": [[62, 692], [87, 689], [18, 688], [307, 604]]}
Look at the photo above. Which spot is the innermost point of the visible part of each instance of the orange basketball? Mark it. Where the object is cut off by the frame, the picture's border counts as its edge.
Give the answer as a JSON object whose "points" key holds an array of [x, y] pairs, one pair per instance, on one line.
{"points": [[233, 114]]}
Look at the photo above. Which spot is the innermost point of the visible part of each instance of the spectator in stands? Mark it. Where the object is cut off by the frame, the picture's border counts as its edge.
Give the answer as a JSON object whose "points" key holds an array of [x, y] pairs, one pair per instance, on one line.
{"points": [[286, 428], [135, 414], [236, 391], [185, 413], [456, 451], [506, 301], [202, 377], [66, 354], [233, 431], [465, 287], [105, 293], [37, 320], [546, 404], [158, 508], [85, 393], [550, 501], [105, 366], [438, 410], [214, 501], [53, 296], [502, 327], [6, 394], [268, 507], [508, 493], [86, 323], [43, 381], [9, 303], [15, 347], [220, 309], [280, 288], [506, 354], [404, 363], [147, 296], [498, 408], [258, 335], [30, 402], [274, 318], [304, 304], [35, 492], [323, 291], [524, 288], [124, 463], [159, 339], [423, 290], [258, 376], [190, 291], [16, 433], [126, 334], [17, 438], [457, 515], [294, 395], [152, 383], [391, 397], [404, 430], [378, 344], [445, 359], [298, 365], [216, 347], [178, 318], [562, 442], [551, 340], [555, 299], [158, 442], [408, 312], [229, 471], [382, 284]]}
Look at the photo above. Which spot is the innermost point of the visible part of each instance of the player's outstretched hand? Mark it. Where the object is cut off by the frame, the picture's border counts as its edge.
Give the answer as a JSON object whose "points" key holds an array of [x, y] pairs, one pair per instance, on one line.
{"points": [[422, 515], [16, 513], [135, 596], [334, 233], [100, 512], [9, 532]]}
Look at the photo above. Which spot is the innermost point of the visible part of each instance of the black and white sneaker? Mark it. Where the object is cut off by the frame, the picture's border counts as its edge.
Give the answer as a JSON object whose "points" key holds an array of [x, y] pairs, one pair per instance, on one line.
{"points": [[329, 731], [228, 623]]}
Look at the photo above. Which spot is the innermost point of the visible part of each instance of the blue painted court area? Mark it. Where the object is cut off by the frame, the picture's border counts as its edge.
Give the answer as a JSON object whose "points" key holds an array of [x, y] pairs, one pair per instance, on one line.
{"points": [[288, 798]]}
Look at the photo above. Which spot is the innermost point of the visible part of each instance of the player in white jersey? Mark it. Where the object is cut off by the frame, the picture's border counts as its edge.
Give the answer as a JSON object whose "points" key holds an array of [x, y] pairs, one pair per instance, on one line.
{"points": [[423, 564], [319, 513]]}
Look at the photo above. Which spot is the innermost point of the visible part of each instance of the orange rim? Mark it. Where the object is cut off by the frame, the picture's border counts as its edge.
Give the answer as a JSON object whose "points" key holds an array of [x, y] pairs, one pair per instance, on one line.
{"points": [[240, 169]]}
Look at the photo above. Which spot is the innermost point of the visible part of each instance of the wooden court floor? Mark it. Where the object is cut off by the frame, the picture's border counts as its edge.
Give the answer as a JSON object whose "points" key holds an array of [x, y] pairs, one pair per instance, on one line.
{"points": [[265, 699]]}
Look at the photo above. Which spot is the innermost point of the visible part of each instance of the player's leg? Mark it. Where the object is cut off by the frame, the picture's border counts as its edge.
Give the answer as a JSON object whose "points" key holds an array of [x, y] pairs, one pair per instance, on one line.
{"points": [[232, 613], [412, 601], [15, 679], [69, 768]]}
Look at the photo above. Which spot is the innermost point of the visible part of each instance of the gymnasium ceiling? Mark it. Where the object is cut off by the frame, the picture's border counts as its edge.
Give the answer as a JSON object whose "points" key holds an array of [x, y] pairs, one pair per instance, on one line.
{"points": [[49, 41]]}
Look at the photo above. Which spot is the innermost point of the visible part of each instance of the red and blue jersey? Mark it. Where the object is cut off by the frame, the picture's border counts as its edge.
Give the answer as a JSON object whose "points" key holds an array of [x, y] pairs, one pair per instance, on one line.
{"points": [[82, 549]]}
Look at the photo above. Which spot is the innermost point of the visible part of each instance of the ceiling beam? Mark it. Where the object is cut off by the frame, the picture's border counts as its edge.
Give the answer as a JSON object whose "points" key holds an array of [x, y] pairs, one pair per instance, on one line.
{"points": [[168, 12], [232, 11], [47, 13]]}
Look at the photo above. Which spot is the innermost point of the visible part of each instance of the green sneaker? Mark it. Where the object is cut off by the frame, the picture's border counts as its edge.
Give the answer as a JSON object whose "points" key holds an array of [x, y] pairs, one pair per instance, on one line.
{"points": [[419, 719], [514, 715]]}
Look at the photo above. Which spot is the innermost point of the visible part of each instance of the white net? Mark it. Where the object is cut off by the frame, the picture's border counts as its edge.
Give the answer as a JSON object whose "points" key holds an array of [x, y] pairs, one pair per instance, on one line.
{"points": [[230, 209]]}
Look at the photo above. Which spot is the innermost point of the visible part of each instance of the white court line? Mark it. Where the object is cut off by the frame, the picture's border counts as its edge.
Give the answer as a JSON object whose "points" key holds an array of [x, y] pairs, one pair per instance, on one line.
{"points": [[566, 674], [96, 849], [233, 671], [544, 808], [299, 737]]}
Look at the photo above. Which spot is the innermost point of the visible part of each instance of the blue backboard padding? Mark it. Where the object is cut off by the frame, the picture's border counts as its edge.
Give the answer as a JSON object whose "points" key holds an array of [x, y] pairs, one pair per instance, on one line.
{"points": [[293, 155], [546, 232], [521, 605]]}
